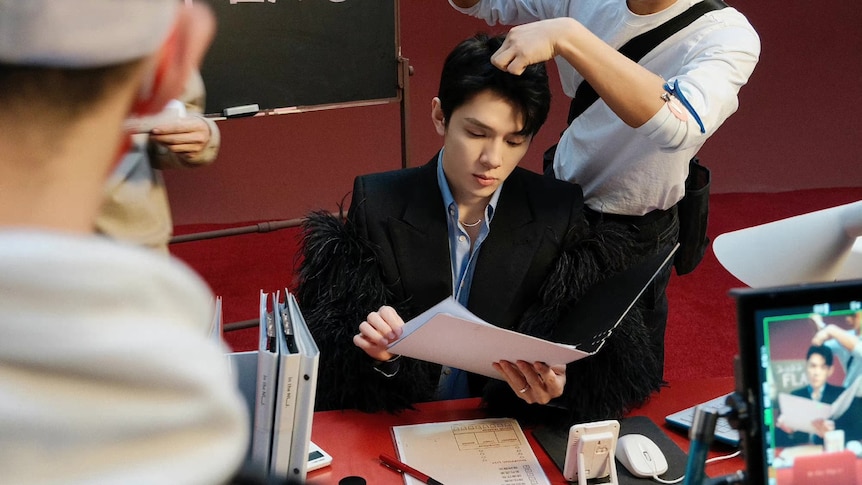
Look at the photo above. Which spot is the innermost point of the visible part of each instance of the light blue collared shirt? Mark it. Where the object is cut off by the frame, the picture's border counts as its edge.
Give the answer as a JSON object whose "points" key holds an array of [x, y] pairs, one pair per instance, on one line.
{"points": [[453, 382], [463, 259]]}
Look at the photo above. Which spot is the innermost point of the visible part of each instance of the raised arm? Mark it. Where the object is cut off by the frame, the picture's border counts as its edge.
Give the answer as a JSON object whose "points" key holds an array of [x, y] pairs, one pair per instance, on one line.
{"points": [[630, 90], [844, 338], [710, 67]]}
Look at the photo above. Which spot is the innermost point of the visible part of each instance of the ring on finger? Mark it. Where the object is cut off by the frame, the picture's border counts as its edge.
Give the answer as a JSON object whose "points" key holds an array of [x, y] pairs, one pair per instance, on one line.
{"points": [[524, 389]]}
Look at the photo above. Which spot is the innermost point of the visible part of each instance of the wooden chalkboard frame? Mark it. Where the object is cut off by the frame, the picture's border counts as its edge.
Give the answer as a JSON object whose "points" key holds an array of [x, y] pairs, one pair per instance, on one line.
{"points": [[286, 54]]}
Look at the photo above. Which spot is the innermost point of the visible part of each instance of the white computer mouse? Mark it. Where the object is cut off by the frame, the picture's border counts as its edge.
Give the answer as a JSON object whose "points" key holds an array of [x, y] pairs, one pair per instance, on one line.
{"points": [[640, 455]]}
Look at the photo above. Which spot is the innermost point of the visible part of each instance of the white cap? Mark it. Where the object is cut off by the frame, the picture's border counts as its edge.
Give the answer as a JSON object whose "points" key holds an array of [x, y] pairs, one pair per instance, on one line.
{"points": [[82, 33]]}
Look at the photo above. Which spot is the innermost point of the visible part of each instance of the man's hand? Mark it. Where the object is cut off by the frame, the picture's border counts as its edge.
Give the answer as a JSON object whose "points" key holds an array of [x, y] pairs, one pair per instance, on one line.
{"points": [[824, 334], [534, 383], [531, 44], [184, 136], [823, 426], [783, 426], [378, 330]]}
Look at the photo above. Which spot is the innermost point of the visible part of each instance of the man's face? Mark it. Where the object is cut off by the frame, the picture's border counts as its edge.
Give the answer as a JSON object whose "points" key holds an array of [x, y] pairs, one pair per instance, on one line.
{"points": [[817, 371], [481, 145]]}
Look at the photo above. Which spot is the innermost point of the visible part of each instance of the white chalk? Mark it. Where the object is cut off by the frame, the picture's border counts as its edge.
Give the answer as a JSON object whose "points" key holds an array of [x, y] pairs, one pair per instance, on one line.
{"points": [[244, 110]]}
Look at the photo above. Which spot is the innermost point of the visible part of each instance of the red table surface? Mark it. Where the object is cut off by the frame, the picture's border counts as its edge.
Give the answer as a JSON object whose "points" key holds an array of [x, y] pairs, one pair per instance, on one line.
{"points": [[356, 439]]}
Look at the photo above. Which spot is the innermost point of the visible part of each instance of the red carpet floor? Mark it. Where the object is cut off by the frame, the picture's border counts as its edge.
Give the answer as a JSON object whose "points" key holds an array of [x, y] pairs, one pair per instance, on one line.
{"points": [[701, 337]]}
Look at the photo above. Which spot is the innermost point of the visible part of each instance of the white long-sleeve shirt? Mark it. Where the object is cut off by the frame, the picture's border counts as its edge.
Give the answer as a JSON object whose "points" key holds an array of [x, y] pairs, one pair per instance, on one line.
{"points": [[632, 171]]}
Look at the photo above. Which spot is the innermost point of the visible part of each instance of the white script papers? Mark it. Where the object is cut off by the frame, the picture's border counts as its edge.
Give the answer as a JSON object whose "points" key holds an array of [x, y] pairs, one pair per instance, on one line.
{"points": [[479, 452], [799, 413], [448, 334]]}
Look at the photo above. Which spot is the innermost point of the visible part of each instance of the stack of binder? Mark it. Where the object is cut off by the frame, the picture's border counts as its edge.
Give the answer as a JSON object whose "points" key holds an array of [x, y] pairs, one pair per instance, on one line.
{"points": [[279, 382]]}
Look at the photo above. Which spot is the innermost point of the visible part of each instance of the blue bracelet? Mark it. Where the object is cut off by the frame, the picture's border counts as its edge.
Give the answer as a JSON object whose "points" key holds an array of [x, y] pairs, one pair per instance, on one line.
{"points": [[675, 92]]}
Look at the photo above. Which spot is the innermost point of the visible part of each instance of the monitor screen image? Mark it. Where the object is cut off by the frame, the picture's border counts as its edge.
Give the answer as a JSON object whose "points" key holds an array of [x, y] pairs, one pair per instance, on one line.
{"points": [[801, 382]]}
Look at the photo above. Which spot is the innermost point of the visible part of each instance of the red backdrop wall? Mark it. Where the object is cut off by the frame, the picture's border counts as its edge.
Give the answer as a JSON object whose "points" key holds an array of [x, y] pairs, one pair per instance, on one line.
{"points": [[797, 126]]}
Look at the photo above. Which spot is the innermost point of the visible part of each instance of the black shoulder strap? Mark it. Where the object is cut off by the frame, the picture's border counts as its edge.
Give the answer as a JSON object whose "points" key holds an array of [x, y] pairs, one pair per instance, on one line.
{"points": [[639, 46]]}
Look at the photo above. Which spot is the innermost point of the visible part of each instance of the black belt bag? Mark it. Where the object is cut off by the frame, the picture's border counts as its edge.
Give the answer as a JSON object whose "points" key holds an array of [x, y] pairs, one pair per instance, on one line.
{"points": [[693, 211]]}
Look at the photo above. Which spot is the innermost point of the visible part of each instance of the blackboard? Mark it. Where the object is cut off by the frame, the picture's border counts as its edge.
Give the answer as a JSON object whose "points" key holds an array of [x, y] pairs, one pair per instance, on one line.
{"points": [[286, 53]]}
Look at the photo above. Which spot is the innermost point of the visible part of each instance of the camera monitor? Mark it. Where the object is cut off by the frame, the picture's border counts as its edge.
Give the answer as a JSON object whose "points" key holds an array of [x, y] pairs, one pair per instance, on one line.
{"points": [[804, 421]]}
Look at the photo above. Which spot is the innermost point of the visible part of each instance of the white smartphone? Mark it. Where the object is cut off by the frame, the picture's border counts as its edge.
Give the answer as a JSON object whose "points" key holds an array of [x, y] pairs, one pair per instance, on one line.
{"points": [[317, 458], [598, 464]]}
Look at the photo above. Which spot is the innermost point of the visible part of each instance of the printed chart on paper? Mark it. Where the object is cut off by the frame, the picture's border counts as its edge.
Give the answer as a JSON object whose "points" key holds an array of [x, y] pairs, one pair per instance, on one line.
{"points": [[480, 452]]}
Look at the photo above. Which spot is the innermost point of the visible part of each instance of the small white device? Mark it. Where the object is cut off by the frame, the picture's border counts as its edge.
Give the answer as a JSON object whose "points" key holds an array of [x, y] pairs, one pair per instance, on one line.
{"points": [[317, 458], [172, 111], [590, 451], [641, 456]]}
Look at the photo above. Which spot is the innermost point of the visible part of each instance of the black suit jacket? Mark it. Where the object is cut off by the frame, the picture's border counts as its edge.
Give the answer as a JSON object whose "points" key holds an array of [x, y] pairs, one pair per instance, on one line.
{"points": [[539, 258], [402, 213]]}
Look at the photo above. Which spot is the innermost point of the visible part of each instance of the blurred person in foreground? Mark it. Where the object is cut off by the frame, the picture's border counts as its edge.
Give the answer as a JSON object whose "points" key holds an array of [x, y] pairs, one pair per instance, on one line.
{"points": [[108, 369]]}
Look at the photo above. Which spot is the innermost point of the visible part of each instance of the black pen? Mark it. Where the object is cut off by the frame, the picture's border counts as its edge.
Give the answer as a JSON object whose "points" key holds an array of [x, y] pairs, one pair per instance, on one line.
{"points": [[404, 468]]}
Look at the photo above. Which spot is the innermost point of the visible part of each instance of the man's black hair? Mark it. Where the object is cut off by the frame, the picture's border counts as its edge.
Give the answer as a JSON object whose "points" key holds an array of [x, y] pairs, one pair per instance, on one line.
{"points": [[823, 350], [468, 71], [63, 93]]}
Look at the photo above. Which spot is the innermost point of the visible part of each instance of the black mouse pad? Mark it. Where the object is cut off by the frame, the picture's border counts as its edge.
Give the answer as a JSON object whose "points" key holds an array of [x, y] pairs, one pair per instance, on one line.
{"points": [[554, 441]]}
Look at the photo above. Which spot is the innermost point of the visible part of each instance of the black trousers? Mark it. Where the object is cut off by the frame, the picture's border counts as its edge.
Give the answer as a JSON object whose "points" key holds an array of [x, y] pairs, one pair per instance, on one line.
{"points": [[652, 233]]}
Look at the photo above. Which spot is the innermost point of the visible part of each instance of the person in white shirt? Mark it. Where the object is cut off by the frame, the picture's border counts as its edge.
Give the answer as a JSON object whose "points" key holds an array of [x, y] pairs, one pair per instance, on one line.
{"points": [[630, 150], [844, 342], [109, 372]]}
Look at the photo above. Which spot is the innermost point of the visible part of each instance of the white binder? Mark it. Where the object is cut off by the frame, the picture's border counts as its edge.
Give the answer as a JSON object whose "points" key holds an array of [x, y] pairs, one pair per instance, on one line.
{"points": [[266, 390], [306, 389], [281, 401], [287, 390]]}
